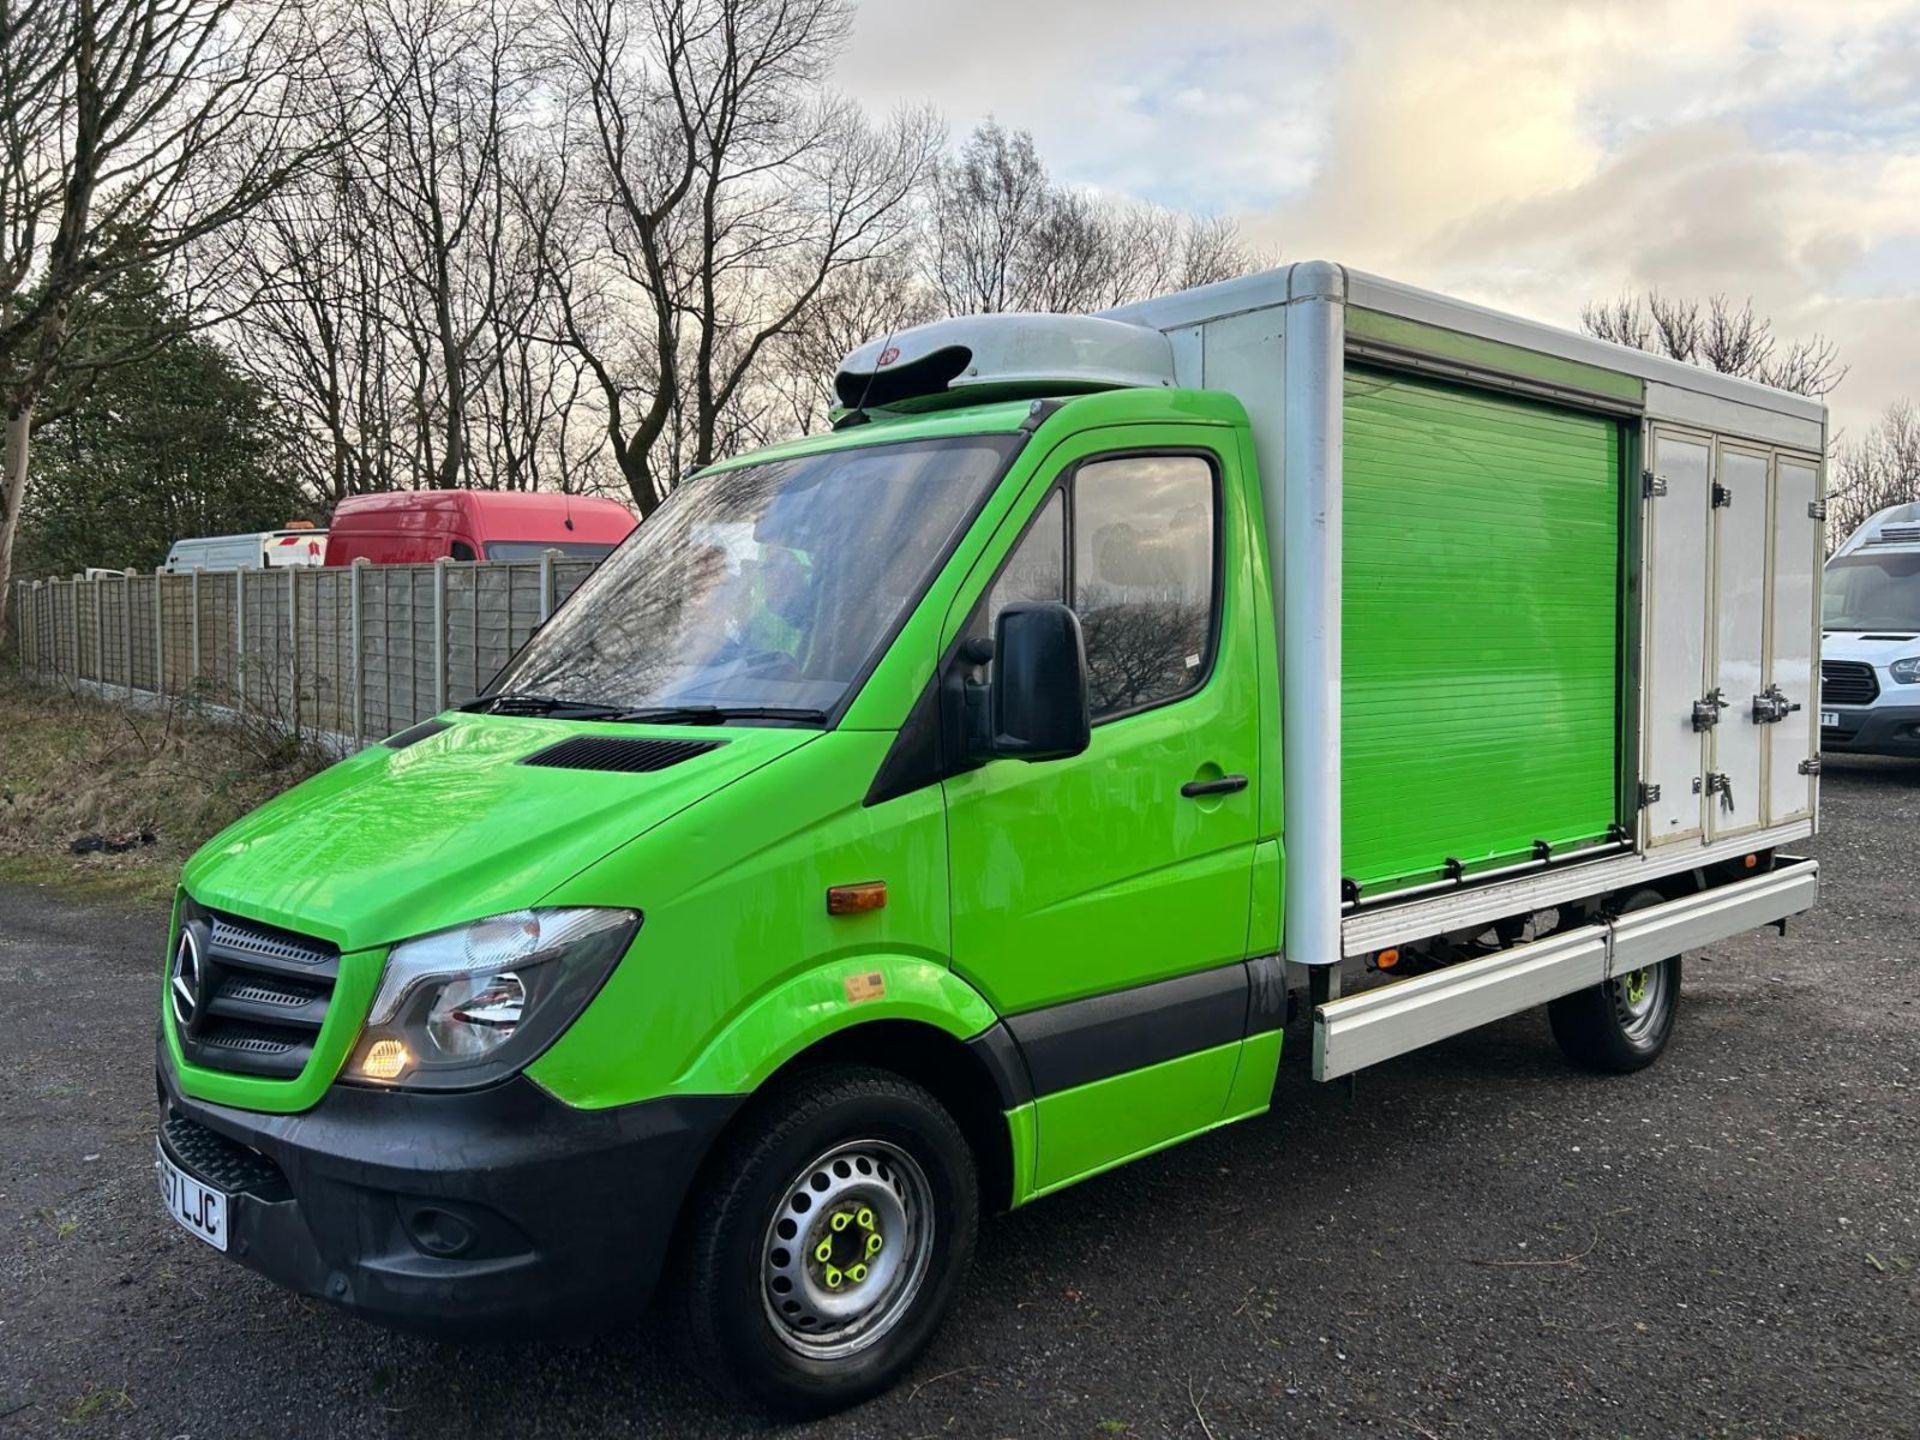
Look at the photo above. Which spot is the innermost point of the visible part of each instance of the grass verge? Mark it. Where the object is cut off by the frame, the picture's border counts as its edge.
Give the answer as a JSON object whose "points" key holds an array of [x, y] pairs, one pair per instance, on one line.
{"points": [[80, 771]]}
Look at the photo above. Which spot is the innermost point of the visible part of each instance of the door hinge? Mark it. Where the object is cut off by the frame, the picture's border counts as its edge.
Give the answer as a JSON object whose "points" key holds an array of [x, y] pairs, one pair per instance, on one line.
{"points": [[1816, 509], [1721, 495], [1706, 710], [1810, 766], [1652, 484], [1649, 795]]}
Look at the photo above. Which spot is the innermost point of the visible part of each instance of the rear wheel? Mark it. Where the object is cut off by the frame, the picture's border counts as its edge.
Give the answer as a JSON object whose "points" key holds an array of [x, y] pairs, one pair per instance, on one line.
{"points": [[1622, 1024], [829, 1240]]}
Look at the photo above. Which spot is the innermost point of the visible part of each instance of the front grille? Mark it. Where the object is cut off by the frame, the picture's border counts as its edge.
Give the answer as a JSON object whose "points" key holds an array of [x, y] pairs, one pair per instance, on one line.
{"points": [[1848, 682], [224, 1164], [258, 994]]}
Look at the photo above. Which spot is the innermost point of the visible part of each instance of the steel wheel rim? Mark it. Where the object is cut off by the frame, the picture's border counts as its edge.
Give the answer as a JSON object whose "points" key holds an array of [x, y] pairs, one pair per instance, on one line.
{"points": [[1640, 1000], [847, 1249]]}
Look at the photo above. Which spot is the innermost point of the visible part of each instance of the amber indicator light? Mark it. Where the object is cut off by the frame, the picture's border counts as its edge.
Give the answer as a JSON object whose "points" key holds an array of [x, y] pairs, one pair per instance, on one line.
{"points": [[857, 899], [1387, 959]]}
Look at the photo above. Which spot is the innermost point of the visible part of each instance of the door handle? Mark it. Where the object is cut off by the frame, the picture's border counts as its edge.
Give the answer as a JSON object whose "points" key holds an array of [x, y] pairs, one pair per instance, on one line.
{"points": [[1225, 785]]}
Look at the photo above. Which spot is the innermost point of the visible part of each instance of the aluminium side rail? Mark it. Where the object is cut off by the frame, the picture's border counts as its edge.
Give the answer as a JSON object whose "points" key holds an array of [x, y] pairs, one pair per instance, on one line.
{"points": [[1365, 1028]]}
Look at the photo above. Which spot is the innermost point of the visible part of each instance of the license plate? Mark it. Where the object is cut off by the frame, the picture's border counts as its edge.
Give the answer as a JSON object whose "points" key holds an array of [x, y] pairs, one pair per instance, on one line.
{"points": [[1829, 719], [201, 1212]]}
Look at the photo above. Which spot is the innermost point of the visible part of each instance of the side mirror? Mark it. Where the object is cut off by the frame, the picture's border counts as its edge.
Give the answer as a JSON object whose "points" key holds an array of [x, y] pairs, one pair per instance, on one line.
{"points": [[1039, 701]]}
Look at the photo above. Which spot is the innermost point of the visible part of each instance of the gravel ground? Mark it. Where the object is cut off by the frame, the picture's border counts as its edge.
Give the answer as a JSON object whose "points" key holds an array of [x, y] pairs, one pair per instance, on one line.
{"points": [[1474, 1241]]}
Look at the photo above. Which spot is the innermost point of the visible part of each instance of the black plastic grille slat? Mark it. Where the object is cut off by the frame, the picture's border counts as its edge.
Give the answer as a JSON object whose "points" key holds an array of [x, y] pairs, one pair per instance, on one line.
{"points": [[242, 938], [1848, 682], [619, 754], [253, 1049], [413, 735], [244, 995], [213, 1159]]}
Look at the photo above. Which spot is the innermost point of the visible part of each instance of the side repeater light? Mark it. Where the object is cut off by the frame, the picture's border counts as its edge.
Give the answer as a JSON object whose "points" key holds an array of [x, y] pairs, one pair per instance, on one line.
{"points": [[857, 899]]}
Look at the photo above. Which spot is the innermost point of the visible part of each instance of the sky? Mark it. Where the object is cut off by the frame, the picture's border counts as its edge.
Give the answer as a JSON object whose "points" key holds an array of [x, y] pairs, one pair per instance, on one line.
{"points": [[1526, 154]]}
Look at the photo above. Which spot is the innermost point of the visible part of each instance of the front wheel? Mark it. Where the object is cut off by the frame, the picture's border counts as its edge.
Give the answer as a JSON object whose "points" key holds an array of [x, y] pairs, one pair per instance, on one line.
{"points": [[1621, 1025], [828, 1240]]}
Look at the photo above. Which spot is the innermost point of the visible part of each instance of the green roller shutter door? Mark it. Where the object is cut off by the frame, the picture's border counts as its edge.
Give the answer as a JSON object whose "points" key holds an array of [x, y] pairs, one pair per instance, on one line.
{"points": [[1480, 628]]}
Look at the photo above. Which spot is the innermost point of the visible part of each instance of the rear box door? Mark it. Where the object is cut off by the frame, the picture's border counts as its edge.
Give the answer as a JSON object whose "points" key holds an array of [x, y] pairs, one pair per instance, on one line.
{"points": [[1738, 742], [1675, 639], [1793, 635]]}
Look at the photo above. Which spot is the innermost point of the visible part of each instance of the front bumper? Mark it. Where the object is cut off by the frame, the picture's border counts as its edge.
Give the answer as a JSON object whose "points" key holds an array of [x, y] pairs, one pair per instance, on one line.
{"points": [[1873, 730], [477, 1215]]}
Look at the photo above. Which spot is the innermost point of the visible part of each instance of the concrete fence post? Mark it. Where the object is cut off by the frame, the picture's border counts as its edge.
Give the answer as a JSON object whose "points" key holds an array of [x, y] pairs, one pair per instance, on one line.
{"points": [[99, 631], [240, 641], [293, 643], [356, 657], [193, 629], [159, 632], [439, 634], [73, 622], [126, 632], [546, 584]]}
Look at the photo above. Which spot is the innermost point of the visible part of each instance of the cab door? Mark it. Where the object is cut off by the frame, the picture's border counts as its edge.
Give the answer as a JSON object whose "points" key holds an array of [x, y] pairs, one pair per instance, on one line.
{"points": [[1101, 902]]}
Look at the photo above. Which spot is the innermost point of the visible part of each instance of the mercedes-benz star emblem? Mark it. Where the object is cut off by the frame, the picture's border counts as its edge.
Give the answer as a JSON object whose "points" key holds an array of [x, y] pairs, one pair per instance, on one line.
{"points": [[184, 985]]}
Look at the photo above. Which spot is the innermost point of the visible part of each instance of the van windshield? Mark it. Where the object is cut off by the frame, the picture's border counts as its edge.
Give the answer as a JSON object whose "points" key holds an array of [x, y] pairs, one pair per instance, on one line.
{"points": [[534, 549], [769, 585], [1871, 592]]}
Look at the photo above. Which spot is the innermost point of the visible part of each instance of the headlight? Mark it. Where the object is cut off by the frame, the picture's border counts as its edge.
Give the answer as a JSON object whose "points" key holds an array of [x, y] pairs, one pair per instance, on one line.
{"points": [[468, 1006], [1906, 671]]}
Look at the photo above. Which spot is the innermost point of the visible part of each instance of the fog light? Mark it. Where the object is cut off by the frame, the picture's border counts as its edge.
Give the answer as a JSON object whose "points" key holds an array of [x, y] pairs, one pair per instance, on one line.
{"points": [[385, 1060]]}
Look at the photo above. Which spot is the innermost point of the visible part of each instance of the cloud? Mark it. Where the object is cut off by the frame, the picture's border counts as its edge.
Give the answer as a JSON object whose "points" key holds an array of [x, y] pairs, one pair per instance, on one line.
{"points": [[1528, 156]]}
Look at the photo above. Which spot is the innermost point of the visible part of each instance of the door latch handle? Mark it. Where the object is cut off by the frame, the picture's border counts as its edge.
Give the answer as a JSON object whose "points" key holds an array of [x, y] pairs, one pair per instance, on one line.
{"points": [[1225, 785]]}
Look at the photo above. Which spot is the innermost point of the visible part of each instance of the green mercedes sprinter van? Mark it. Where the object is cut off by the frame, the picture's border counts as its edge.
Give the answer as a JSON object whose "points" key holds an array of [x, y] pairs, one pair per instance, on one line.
{"points": [[910, 821]]}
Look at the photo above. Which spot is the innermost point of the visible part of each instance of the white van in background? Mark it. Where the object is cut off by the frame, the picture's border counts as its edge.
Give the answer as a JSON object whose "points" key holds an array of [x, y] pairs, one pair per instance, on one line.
{"points": [[1870, 647], [261, 550]]}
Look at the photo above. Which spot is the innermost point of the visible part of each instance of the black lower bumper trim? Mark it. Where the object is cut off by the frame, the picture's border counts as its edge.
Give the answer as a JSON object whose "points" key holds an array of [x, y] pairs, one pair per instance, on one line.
{"points": [[1873, 730], [481, 1215]]}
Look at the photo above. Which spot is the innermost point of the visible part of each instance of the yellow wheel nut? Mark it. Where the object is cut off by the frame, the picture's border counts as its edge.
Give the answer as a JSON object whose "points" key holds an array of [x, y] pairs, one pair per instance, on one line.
{"points": [[865, 1217], [823, 1252], [856, 1273], [841, 1220], [834, 1277], [873, 1245]]}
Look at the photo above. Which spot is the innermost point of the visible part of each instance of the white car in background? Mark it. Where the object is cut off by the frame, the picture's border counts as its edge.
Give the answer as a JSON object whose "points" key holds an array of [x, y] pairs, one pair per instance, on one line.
{"points": [[259, 550], [1870, 646]]}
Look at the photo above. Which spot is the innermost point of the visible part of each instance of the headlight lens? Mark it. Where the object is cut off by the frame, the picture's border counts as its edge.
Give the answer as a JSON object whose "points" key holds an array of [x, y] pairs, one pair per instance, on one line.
{"points": [[1906, 671], [472, 1005]]}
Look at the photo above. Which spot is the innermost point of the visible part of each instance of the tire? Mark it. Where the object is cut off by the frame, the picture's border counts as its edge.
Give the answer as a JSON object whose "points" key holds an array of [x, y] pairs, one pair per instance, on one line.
{"points": [[827, 1240], [1622, 1024]]}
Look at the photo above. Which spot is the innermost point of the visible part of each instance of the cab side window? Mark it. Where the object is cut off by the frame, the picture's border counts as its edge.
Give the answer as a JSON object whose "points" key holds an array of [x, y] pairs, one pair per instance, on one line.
{"points": [[1129, 542], [1143, 548]]}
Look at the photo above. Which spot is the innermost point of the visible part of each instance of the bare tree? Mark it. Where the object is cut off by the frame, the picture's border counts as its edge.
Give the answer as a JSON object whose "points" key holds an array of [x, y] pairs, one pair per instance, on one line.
{"points": [[1878, 470], [726, 190], [129, 130], [1717, 335], [1002, 235], [795, 391]]}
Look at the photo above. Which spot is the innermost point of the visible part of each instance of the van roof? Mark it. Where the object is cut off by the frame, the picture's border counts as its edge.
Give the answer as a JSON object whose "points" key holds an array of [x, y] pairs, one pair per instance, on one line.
{"points": [[503, 503]]}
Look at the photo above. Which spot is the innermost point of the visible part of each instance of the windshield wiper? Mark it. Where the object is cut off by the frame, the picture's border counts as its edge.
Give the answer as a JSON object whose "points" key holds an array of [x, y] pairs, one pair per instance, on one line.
{"points": [[717, 714], [515, 702]]}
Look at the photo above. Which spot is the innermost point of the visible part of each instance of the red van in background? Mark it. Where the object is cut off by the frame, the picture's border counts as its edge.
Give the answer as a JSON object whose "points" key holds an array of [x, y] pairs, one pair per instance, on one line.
{"points": [[411, 527]]}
